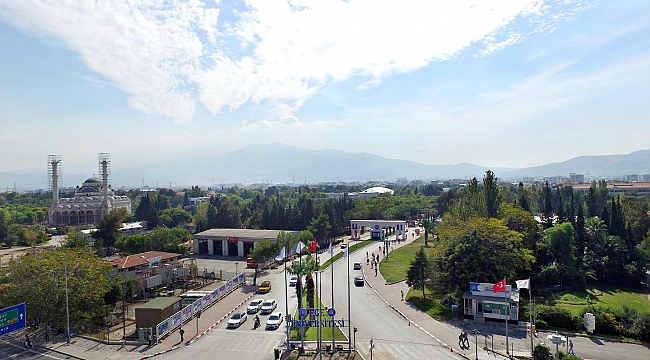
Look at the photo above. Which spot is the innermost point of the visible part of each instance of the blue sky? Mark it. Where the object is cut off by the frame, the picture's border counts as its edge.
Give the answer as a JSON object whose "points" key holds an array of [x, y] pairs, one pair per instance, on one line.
{"points": [[495, 83]]}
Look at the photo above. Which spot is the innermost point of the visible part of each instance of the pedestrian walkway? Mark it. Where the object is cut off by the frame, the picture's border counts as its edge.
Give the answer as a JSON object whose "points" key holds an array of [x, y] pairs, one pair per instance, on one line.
{"points": [[445, 333], [86, 348]]}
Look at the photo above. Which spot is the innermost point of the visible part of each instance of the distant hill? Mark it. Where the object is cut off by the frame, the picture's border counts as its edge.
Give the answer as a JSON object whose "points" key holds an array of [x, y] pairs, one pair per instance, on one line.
{"points": [[279, 163], [637, 162]]}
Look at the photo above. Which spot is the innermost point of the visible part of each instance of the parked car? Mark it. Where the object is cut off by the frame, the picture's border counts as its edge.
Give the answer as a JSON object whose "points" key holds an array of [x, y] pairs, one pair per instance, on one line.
{"points": [[293, 280], [274, 321], [254, 306], [357, 266], [268, 306], [358, 281], [264, 287], [237, 319], [344, 245]]}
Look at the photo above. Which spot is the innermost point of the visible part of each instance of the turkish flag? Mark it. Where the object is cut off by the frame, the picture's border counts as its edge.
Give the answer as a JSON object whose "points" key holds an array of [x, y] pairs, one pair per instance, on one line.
{"points": [[312, 246], [500, 286]]}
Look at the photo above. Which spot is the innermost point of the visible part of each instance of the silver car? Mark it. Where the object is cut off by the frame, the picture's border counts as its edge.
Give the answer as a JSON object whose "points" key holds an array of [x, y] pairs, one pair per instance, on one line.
{"points": [[274, 321], [268, 306], [254, 306], [237, 319]]}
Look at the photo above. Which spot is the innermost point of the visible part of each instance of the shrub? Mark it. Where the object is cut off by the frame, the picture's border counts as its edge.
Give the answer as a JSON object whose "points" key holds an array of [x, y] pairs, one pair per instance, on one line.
{"points": [[558, 318], [641, 327], [541, 352]]}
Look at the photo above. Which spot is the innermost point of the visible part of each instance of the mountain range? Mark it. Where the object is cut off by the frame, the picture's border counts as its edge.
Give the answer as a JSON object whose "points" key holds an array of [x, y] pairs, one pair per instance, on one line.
{"points": [[279, 163]]}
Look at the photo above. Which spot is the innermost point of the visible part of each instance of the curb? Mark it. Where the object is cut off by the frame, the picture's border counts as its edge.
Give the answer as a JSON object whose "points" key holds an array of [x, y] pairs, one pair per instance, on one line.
{"points": [[201, 334]]}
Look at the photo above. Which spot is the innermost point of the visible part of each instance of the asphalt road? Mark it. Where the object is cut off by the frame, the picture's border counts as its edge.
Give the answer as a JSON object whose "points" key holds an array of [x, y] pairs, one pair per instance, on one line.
{"points": [[242, 343], [392, 336]]}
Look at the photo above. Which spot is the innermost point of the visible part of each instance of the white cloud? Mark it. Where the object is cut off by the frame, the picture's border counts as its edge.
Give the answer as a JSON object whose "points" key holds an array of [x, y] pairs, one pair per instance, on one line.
{"points": [[169, 55]]}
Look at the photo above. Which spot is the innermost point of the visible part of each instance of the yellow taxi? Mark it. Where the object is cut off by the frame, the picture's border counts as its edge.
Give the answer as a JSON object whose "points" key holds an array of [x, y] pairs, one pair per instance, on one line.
{"points": [[264, 287]]}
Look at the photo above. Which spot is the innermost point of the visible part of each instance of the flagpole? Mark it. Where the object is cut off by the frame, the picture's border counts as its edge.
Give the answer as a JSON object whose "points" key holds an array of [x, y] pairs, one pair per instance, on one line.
{"points": [[286, 295], [332, 272], [320, 309], [505, 300], [530, 314], [347, 250]]}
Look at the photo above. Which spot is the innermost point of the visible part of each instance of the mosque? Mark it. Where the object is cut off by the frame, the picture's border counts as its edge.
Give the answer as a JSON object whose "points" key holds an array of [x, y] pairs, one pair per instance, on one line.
{"points": [[91, 201]]}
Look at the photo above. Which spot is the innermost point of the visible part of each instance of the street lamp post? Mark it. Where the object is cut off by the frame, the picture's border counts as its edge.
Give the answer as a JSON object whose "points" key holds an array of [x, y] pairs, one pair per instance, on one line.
{"points": [[67, 307], [236, 265], [355, 339], [372, 346], [475, 332]]}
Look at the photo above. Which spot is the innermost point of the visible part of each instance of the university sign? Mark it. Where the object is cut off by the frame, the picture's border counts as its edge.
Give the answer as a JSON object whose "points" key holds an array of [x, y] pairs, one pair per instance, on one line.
{"points": [[317, 313]]}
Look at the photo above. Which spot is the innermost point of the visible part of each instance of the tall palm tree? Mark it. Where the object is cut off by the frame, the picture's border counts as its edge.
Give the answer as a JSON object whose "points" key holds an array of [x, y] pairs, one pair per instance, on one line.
{"points": [[427, 224], [305, 267]]}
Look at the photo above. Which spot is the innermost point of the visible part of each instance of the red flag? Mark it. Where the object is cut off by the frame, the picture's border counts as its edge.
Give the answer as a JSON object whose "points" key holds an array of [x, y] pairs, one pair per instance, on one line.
{"points": [[500, 286], [312, 246]]}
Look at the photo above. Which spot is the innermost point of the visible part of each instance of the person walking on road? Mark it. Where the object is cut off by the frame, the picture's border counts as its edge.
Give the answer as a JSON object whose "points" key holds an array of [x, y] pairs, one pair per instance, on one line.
{"points": [[402, 291], [149, 339], [182, 332], [571, 348]]}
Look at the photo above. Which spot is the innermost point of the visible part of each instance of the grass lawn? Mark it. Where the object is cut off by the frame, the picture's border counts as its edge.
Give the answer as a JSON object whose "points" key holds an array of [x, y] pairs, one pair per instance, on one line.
{"points": [[431, 304], [576, 301], [396, 265], [352, 249], [311, 333]]}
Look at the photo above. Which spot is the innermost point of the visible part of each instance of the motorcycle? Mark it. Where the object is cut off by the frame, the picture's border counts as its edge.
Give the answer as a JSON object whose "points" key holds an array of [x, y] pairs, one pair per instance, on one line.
{"points": [[256, 324]]}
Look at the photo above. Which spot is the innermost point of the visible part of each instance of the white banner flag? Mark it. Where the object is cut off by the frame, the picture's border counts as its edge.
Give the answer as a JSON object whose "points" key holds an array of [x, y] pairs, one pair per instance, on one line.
{"points": [[281, 255], [345, 252], [523, 284], [299, 247]]}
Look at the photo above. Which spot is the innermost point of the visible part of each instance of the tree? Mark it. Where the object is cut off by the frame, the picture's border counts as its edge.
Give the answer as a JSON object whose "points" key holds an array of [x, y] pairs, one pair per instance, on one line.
{"points": [[4, 224], [39, 281], [547, 212], [491, 193], [108, 230], [427, 224], [418, 274], [169, 240], [264, 250], [320, 227], [74, 238], [522, 200], [561, 244], [174, 217], [479, 250]]}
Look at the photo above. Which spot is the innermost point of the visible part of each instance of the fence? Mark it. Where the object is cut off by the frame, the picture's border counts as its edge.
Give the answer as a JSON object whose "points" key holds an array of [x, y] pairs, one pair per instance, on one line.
{"points": [[190, 311]]}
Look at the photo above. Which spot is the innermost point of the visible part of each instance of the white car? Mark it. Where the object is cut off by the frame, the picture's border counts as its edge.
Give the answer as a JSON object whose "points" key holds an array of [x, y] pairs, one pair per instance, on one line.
{"points": [[268, 306], [293, 280], [254, 306], [237, 319], [274, 321]]}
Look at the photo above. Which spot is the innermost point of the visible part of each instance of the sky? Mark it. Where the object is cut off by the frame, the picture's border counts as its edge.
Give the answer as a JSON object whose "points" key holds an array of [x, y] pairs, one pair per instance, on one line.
{"points": [[494, 83]]}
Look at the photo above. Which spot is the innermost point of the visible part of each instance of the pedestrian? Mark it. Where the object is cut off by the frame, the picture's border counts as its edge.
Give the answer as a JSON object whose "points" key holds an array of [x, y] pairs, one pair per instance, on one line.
{"points": [[150, 339], [465, 339], [571, 348], [375, 270], [83, 329], [377, 259], [182, 332], [28, 342], [366, 254], [47, 333], [402, 291]]}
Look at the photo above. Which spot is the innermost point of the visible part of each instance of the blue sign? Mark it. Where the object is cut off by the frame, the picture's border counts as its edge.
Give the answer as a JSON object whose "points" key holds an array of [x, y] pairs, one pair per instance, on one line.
{"points": [[13, 318], [302, 312], [331, 312]]}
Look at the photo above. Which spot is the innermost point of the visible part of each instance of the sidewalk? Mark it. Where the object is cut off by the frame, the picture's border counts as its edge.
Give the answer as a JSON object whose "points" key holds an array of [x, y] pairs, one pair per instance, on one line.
{"points": [[85, 348], [444, 333]]}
